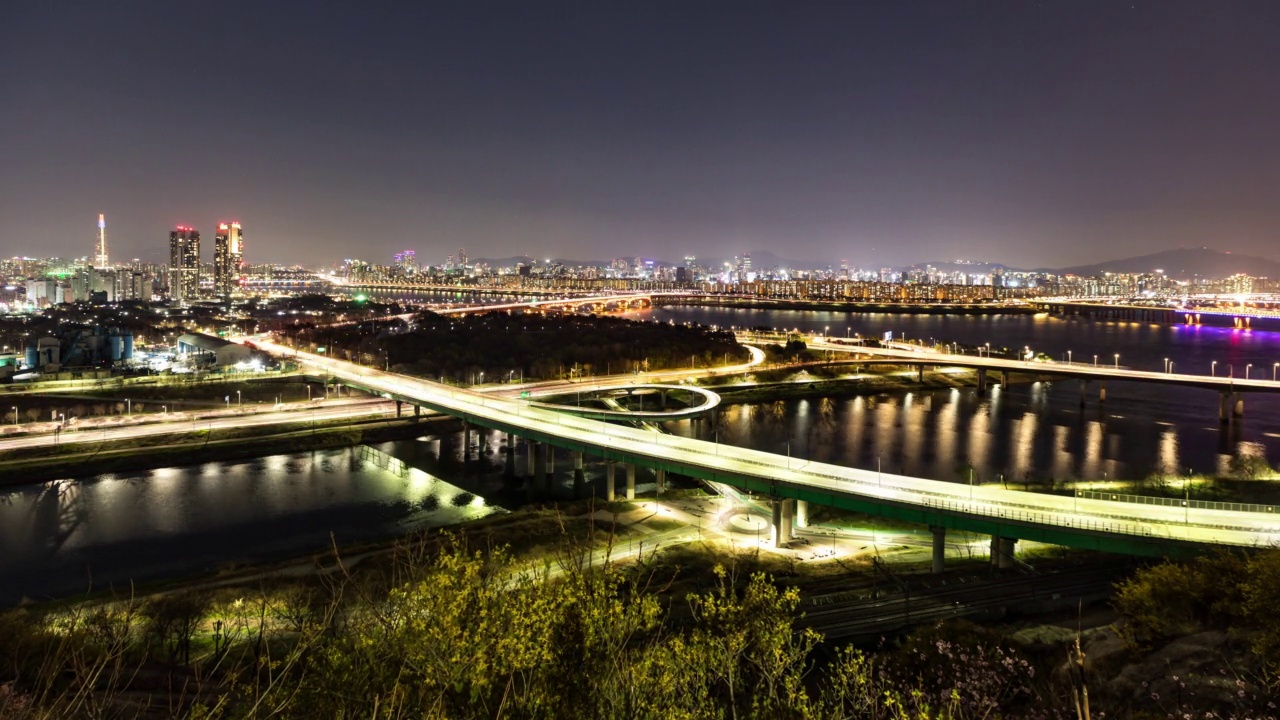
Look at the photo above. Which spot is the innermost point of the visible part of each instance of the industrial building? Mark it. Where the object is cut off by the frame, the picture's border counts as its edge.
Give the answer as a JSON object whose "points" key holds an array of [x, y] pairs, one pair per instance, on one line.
{"points": [[214, 351]]}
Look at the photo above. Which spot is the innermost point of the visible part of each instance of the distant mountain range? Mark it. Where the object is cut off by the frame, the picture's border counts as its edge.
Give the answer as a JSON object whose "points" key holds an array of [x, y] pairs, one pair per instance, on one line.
{"points": [[1183, 263]]}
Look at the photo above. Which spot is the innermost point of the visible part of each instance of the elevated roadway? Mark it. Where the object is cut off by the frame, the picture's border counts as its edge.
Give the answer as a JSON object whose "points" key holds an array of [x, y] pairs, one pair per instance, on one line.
{"points": [[1003, 514]]}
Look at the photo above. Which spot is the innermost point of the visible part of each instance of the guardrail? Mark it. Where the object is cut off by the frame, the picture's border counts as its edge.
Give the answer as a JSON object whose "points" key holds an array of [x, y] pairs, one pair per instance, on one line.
{"points": [[1176, 502]]}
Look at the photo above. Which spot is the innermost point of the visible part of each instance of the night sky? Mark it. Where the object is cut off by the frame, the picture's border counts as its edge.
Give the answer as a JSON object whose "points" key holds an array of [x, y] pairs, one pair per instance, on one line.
{"points": [[1037, 134]]}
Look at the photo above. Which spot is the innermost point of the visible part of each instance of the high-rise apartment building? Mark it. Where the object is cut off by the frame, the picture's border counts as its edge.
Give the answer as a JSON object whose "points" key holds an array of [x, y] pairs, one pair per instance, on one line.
{"points": [[184, 264], [100, 247], [228, 252]]}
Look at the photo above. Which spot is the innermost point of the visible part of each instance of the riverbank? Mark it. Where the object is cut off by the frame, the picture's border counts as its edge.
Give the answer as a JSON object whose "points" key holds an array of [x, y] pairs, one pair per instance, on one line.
{"points": [[44, 463]]}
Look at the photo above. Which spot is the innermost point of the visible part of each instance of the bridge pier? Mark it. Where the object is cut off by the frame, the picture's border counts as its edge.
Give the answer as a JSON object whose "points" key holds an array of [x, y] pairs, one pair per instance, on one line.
{"points": [[802, 513], [920, 374], [660, 482], [1004, 380], [1084, 384], [788, 519], [531, 465], [608, 480], [510, 470], [631, 481], [783, 510], [1002, 549], [1238, 410], [939, 549], [539, 479], [466, 440], [417, 412], [1102, 391], [982, 380], [579, 478], [399, 405], [1224, 407]]}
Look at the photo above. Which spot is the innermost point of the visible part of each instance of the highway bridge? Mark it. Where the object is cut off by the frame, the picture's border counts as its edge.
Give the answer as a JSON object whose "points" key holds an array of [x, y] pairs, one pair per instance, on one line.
{"points": [[1005, 515], [1231, 390]]}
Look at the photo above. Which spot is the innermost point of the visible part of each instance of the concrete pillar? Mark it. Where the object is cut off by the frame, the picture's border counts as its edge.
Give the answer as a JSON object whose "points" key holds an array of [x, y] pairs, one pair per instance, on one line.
{"points": [[1238, 410], [631, 481], [539, 478], [663, 395], [551, 460], [417, 412], [608, 481], [531, 465], [660, 484], [920, 373], [982, 380], [1004, 381], [1102, 391], [778, 540], [579, 477], [1084, 384], [939, 549], [1224, 407], [1002, 551], [788, 519], [1007, 546], [466, 440], [510, 470], [399, 405], [802, 513]]}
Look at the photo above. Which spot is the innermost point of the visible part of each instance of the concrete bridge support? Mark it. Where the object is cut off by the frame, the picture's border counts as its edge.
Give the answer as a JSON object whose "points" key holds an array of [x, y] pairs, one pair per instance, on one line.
{"points": [[802, 513], [1238, 409], [609, 467], [631, 481], [1004, 381], [1224, 407], [466, 440], [920, 373], [1002, 549], [531, 466], [540, 479], [510, 470], [399, 406], [939, 549], [982, 380], [660, 482], [417, 412], [1102, 391], [783, 514], [1084, 385], [579, 477]]}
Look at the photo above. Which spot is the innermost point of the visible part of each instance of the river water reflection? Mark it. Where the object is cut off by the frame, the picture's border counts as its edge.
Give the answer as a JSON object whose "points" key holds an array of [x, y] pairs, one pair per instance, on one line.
{"points": [[1030, 431], [64, 537]]}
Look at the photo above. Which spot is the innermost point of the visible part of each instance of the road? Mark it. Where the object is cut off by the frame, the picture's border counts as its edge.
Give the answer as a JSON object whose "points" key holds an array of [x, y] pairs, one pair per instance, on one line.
{"points": [[1072, 520], [1086, 371], [185, 422]]}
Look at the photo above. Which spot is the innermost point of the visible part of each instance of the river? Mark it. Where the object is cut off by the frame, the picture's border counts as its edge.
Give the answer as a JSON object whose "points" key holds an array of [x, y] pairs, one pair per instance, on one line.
{"points": [[66, 537], [1029, 431]]}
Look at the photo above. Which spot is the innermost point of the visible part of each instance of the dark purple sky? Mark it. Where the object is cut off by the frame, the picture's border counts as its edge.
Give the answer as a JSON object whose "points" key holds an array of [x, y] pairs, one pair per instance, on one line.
{"points": [[1049, 133]]}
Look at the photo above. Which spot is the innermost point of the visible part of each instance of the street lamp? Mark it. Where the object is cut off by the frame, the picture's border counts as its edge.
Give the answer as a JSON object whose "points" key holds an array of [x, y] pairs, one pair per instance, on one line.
{"points": [[15, 414], [1273, 371], [1117, 361], [1246, 370], [1068, 357], [1095, 361], [1213, 369], [239, 399]]}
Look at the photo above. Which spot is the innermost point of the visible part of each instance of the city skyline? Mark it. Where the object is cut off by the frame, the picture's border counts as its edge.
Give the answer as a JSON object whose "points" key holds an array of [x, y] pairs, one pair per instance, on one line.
{"points": [[893, 133]]}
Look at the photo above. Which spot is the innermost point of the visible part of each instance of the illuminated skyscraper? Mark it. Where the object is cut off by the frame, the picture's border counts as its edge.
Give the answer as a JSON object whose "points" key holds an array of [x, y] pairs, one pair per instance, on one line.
{"points": [[184, 264], [100, 249], [228, 251]]}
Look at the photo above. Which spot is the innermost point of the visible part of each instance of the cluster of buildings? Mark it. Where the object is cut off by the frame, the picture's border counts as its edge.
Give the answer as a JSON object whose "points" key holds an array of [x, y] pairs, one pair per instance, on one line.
{"points": [[95, 279]]}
